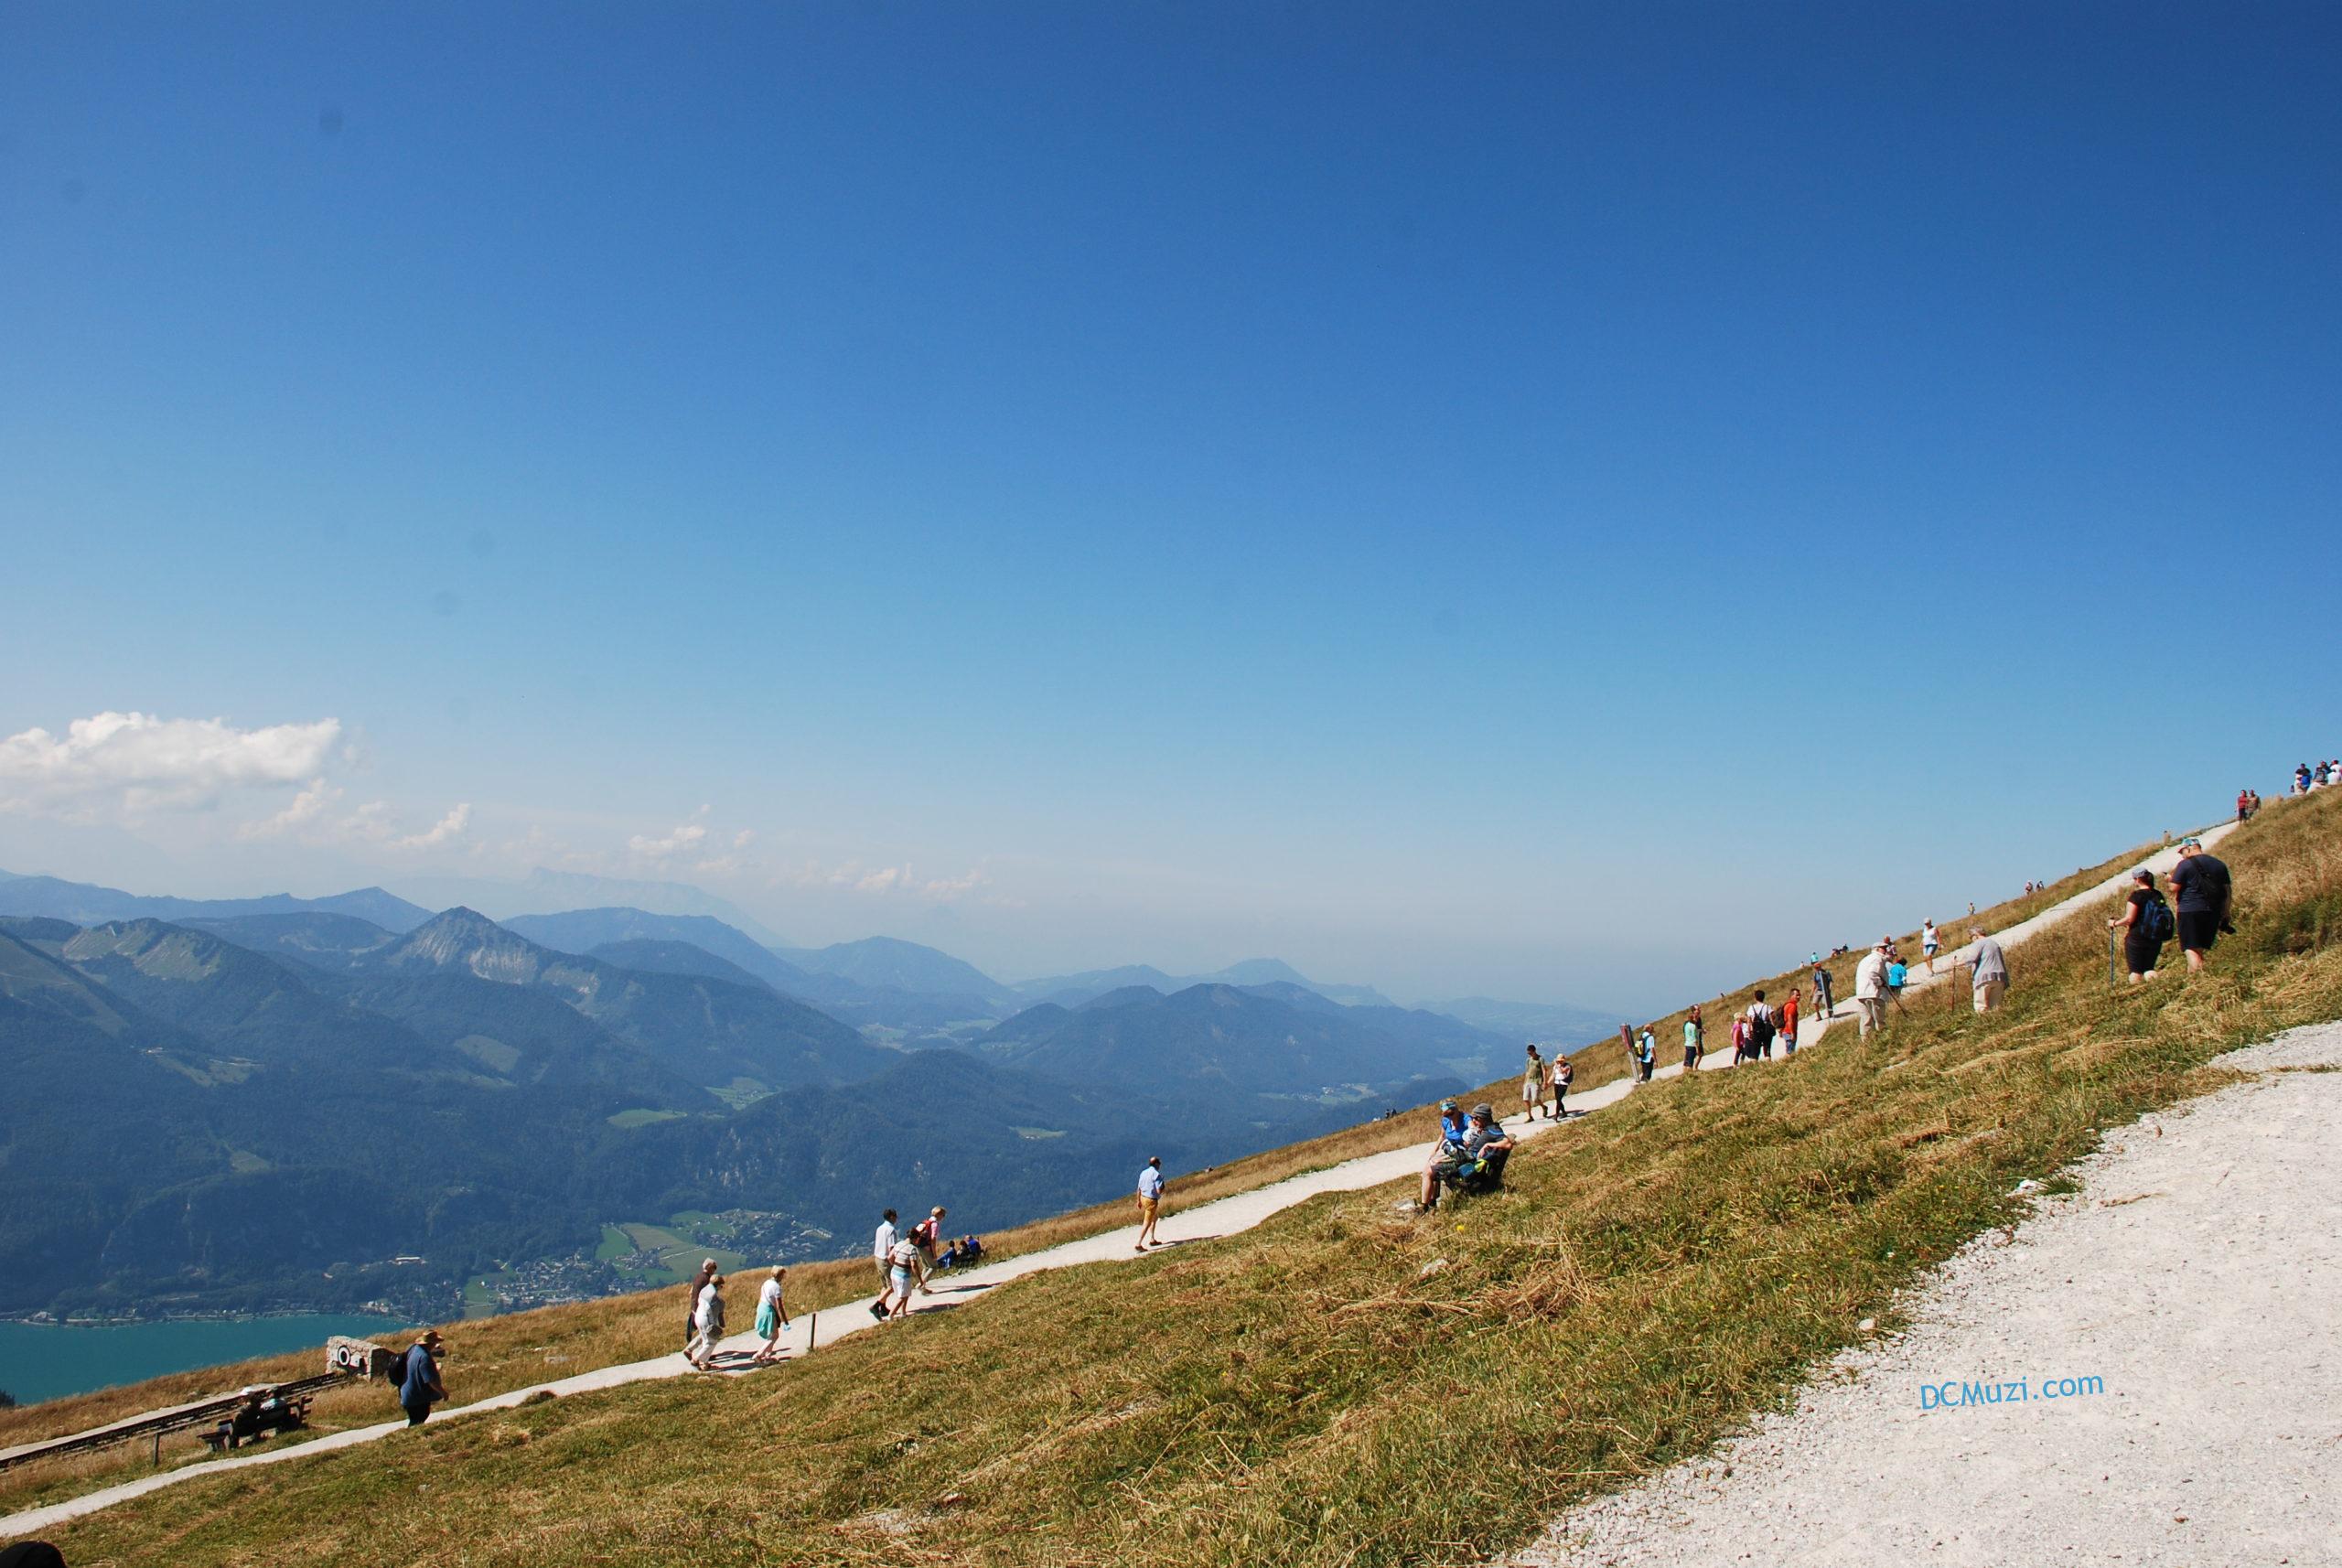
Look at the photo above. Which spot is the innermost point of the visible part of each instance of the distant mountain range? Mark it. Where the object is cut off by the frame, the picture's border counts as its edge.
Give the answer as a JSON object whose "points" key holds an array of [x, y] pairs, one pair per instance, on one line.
{"points": [[85, 904], [1072, 989], [258, 1108]]}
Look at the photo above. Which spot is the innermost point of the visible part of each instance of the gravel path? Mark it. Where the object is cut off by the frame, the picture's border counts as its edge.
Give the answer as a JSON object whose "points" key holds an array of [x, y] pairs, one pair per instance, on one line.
{"points": [[2195, 1274]]}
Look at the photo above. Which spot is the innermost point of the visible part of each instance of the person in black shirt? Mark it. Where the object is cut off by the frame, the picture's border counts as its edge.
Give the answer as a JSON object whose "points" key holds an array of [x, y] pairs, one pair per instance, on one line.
{"points": [[2202, 888], [2146, 924]]}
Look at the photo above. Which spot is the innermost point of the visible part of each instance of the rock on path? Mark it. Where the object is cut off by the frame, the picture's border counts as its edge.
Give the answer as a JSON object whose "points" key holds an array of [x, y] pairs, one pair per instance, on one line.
{"points": [[2195, 1273]]}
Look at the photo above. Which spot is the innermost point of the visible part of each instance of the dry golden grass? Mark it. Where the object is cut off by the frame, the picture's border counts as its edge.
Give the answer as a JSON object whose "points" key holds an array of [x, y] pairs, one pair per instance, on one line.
{"points": [[491, 1356], [1340, 1386]]}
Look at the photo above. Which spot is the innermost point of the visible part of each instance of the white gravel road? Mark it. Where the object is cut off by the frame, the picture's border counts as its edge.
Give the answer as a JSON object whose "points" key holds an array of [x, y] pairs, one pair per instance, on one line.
{"points": [[2194, 1275]]}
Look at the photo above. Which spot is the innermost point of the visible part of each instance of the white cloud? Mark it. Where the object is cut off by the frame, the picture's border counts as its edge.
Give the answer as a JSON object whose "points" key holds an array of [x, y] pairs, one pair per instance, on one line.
{"points": [[446, 828], [136, 763], [372, 823], [307, 808], [881, 880], [685, 838]]}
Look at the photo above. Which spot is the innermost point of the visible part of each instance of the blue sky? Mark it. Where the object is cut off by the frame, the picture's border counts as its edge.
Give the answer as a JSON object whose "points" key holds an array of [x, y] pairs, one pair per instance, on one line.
{"points": [[1558, 502]]}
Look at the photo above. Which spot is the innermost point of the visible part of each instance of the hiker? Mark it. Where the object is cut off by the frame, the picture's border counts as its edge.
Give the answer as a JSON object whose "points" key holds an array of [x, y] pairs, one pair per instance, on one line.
{"points": [[710, 1322], [1533, 1082], [1691, 1041], [1564, 1073], [772, 1318], [1448, 1145], [1898, 973], [2243, 804], [1824, 1001], [1761, 1025], [1928, 942], [906, 1269], [1150, 1202], [928, 1234], [881, 1248], [1870, 990], [1482, 1150], [1988, 968], [690, 1300], [2202, 890], [1788, 1023], [420, 1386], [2146, 923]]}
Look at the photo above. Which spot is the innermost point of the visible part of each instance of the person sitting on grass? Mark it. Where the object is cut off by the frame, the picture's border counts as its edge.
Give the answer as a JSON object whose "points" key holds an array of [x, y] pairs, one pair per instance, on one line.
{"points": [[1480, 1152], [1447, 1146]]}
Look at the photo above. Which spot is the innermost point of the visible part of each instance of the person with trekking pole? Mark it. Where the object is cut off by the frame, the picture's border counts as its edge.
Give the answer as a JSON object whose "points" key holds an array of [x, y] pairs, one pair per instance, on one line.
{"points": [[2146, 924]]}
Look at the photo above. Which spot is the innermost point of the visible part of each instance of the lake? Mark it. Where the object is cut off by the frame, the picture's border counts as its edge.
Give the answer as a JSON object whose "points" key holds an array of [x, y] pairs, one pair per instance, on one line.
{"points": [[47, 1360]]}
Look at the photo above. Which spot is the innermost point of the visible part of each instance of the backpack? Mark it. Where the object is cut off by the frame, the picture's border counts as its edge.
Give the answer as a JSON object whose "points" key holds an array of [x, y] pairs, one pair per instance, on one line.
{"points": [[2155, 922], [1760, 1029]]}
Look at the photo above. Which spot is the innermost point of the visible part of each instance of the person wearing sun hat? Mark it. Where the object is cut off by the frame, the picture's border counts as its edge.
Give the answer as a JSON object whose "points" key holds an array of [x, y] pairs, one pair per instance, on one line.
{"points": [[420, 1386]]}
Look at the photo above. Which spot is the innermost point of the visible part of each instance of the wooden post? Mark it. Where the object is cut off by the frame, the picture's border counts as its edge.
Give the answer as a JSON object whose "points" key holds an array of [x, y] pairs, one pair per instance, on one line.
{"points": [[812, 1328]]}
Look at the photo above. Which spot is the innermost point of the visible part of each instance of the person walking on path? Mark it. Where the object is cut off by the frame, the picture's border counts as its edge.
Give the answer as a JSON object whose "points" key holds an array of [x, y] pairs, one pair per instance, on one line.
{"points": [[1646, 1054], [882, 1250], [1870, 990], [1761, 1027], [1691, 1041], [1988, 971], [1533, 1082], [2203, 890], [1562, 1074], [2146, 923], [1822, 986], [1739, 1039], [691, 1302], [1788, 1023], [1150, 1202], [420, 1386], [928, 1234], [1929, 941], [772, 1317], [710, 1322], [907, 1270]]}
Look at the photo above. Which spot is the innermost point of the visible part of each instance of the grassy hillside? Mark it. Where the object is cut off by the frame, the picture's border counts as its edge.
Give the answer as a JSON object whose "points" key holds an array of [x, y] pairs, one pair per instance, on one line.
{"points": [[492, 1356], [1342, 1384]]}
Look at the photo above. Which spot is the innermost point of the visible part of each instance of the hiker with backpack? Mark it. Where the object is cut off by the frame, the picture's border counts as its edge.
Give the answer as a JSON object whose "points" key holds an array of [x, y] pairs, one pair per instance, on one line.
{"points": [[1824, 1001], [1788, 1023], [2146, 923], [1646, 1055], [1761, 1027]]}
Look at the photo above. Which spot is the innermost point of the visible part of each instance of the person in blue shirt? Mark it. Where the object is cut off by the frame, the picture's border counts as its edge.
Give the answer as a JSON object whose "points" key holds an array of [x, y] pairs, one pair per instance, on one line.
{"points": [[1446, 1148], [1898, 972], [419, 1384]]}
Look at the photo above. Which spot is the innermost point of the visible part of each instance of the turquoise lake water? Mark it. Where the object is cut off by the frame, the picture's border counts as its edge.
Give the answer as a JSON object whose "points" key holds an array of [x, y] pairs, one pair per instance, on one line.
{"points": [[47, 1362]]}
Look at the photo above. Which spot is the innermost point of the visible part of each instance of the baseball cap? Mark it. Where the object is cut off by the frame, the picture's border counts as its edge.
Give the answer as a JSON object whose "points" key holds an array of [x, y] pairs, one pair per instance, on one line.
{"points": [[1447, 1105], [1485, 1111]]}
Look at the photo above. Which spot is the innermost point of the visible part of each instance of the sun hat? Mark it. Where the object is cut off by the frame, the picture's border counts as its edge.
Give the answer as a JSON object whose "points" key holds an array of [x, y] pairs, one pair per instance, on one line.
{"points": [[1447, 1105]]}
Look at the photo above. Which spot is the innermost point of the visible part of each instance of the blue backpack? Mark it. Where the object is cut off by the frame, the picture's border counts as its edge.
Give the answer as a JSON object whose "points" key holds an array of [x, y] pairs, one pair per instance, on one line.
{"points": [[2155, 922]]}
